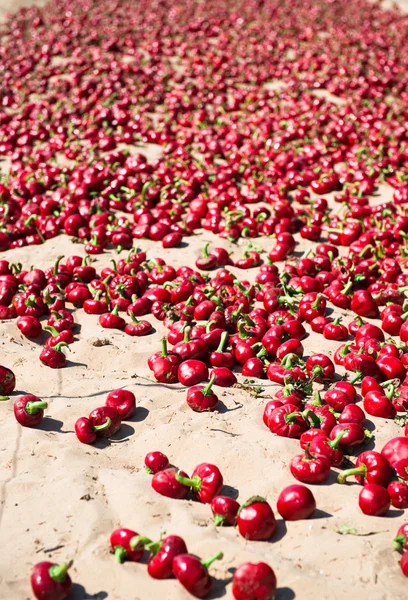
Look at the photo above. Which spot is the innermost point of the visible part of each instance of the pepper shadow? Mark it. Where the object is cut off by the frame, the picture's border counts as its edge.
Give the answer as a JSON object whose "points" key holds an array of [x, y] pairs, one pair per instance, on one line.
{"points": [[222, 409], [230, 491], [321, 514], [219, 588], [118, 438], [51, 424], [140, 415], [80, 593], [281, 531], [284, 593], [73, 363], [394, 513]]}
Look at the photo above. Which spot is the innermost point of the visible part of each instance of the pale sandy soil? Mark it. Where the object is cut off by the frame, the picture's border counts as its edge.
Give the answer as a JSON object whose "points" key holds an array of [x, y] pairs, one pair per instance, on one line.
{"points": [[61, 500]]}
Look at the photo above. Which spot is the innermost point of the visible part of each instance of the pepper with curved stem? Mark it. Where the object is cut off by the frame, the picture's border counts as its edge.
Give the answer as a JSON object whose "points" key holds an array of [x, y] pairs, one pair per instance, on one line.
{"points": [[50, 581], [86, 432], [371, 467], [29, 410], [162, 554], [206, 482], [193, 573], [201, 399], [123, 545]]}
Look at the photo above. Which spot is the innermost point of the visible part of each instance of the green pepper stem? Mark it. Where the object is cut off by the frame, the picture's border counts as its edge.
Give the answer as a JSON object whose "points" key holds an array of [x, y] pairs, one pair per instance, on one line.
{"points": [[120, 554], [4, 398], [138, 540], [59, 572], [164, 351], [219, 520], [32, 408], [399, 542], [360, 471], [222, 343], [334, 443], [207, 563], [194, 483], [207, 389], [105, 425], [52, 330], [357, 376]]}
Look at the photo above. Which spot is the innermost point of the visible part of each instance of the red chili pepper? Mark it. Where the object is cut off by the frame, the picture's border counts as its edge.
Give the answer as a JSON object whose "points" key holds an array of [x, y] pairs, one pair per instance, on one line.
{"points": [[53, 357], [29, 410], [296, 502], [193, 573], [86, 432], [254, 581], [255, 519], [378, 404], [202, 399], [223, 377], [400, 542], [206, 261], [321, 446], [100, 415], [29, 326], [7, 382], [138, 328], [225, 510], [337, 399], [166, 483], [126, 545], [354, 436], [396, 450], [155, 462], [96, 306], [308, 469], [112, 320], [206, 482], [335, 331], [191, 372], [66, 336], [287, 421], [398, 491], [165, 371], [362, 303], [371, 467], [172, 357], [320, 367], [123, 401], [50, 581], [352, 414], [162, 554], [404, 564], [61, 320], [374, 500]]}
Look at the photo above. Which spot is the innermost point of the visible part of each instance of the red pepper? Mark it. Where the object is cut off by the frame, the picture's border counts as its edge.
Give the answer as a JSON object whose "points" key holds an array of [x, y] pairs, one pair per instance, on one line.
{"points": [[320, 367], [223, 377], [307, 469], [221, 358], [191, 372], [352, 414], [53, 357], [206, 482], [29, 410], [166, 483], [112, 320], [202, 399], [138, 328], [362, 303], [86, 432], [321, 446], [155, 461], [193, 573], [50, 581], [96, 306], [335, 331], [374, 500], [65, 336], [100, 415], [398, 491], [172, 357], [254, 581], [7, 382], [296, 502], [378, 404], [29, 326], [126, 545], [337, 399], [400, 542], [354, 436], [287, 421], [396, 450], [123, 401], [206, 261], [225, 510], [404, 564], [371, 467], [162, 554], [61, 320], [255, 519], [165, 371]]}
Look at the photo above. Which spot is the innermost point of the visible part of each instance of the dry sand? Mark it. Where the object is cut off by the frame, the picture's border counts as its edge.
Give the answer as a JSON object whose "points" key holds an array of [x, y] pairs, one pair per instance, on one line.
{"points": [[61, 500]]}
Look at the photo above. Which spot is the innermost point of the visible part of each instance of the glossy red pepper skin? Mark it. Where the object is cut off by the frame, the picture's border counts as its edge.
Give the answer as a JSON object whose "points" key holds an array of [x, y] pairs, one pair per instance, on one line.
{"points": [[254, 581], [374, 500], [256, 520], [123, 401], [352, 414], [225, 510], [321, 446], [100, 415], [287, 421], [206, 482], [50, 581], [371, 467], [123, 549], [85, 431], [307, 469], [165, 371], [404, 564], [320, 367], [155, 461], [7, 381], [29, 410], [29, 326], [53, 357], [193, 573], [160, 565], [378, 404], [398, 491], [191, 372], [296, 502], [165, 483], [65, 336], [354, 436], [396, 450], [201, 399], [223, 377]]}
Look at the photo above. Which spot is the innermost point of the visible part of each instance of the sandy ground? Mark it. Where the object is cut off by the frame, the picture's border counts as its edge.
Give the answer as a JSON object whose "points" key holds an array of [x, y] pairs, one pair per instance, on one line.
{"points": [[61, 500]]}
